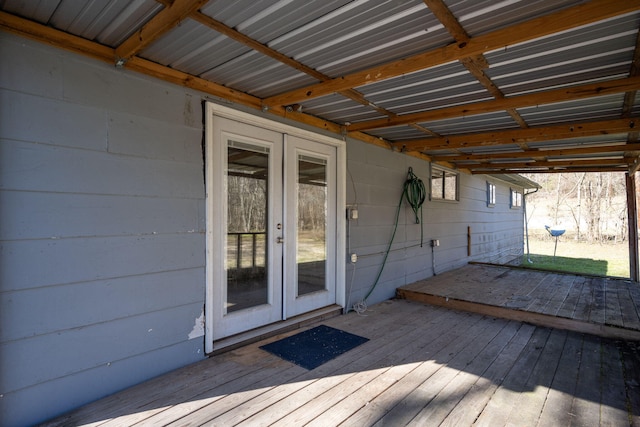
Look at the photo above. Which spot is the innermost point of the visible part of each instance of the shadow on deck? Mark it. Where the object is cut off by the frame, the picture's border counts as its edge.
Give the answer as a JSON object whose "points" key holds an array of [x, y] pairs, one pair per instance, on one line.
{"points": [[607, 307], [423, 365]]}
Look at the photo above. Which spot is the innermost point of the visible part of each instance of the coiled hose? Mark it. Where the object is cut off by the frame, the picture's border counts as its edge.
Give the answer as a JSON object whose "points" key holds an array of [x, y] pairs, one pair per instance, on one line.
{"points": [[416, 193]]}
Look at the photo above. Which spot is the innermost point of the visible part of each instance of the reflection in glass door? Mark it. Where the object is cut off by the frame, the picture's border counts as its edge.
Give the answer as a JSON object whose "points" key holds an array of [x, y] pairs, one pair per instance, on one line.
{"points": [[247, 217], [311, 257]]}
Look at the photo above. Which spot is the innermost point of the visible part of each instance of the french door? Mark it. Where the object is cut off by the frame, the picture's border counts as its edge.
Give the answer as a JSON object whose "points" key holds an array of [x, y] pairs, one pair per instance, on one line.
{"points": [[272, 227]]}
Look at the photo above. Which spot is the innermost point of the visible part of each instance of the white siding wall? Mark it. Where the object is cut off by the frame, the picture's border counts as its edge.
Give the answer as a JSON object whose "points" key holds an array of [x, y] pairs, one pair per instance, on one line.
{"points": [[102, 228], [101, 231]]}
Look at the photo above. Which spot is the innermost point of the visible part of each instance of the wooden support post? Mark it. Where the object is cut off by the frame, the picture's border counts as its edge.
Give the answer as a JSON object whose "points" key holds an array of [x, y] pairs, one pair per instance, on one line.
{"points": [[632, 215]]}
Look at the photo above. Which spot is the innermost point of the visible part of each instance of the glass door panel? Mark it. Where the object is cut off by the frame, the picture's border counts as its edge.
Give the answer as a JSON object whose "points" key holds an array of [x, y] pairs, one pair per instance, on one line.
{"points": [[247, 218], [244, 216], [311, 245], [310, 229]]}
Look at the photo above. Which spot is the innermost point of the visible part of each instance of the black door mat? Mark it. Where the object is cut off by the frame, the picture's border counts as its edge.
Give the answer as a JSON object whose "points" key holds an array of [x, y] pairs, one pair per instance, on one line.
{"points": [[313, 347]]}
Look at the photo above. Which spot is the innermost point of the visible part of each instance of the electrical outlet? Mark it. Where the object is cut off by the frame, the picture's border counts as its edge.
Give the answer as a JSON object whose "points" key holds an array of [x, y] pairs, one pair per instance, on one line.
{"points": [[435, 243], [354, 258]]}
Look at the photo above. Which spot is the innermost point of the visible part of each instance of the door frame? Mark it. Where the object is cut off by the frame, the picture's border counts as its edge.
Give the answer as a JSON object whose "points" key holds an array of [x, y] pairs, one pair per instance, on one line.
{"points": [[213, 109]]}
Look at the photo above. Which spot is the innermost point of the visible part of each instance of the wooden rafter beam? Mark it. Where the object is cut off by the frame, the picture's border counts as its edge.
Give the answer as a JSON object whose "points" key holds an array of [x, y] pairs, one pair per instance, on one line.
{"points": [[528, 154], [255, 45], [162, 22], [517, 136], [60, 39], [551, 164], [595, 10], [475, 64], [497, 171], [221, 28], [529, 100]]}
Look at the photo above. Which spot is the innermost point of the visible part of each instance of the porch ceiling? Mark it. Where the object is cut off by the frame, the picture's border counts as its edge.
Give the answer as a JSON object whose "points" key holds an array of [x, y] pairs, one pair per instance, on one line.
{"points": [[484, 86]]}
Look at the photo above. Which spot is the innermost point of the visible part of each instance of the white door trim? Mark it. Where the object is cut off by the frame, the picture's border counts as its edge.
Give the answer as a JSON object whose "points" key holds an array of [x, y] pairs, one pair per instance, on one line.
{"points": [[212, 110]]}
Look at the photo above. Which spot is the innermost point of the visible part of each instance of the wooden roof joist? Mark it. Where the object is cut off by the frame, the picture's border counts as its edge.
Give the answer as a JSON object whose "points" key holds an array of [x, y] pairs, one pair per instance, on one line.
{"points": [[498, 171], [529, 100], [515, 136], [537, 153], [165, 20], [551, 164]]}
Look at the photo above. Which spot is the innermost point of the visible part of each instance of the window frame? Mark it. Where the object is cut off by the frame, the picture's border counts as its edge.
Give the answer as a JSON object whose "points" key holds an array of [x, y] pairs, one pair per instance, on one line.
{"points": [[515, 201], [491, 194], [443, 174]]}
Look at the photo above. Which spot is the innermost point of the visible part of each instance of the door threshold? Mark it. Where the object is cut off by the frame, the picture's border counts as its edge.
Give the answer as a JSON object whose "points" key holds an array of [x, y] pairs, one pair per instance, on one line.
{"points": [[258, 334]]}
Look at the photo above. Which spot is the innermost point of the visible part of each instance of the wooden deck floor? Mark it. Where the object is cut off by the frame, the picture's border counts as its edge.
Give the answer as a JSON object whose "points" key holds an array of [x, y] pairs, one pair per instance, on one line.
{"points": [[423, 366], [603, 306]]}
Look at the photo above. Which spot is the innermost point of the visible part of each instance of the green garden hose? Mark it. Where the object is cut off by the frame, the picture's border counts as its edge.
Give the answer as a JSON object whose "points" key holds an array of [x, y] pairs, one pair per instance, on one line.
{"points": [[415, 193]]}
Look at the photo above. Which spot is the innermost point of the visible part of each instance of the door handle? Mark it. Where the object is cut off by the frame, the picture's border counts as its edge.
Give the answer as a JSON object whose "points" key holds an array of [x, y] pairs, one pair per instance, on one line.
{"points": [[279, 240]]}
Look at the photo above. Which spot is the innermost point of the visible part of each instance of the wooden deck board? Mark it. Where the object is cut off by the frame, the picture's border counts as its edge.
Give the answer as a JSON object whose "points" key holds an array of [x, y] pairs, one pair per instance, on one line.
{"points": [[536, 389], [451, 395], [628, 310], [423, 365], [361, 358], [585, 410], [499, 408], [630, 354], [557, 406], [436, 342], [613, 388], [428, 396], [596, 305]]}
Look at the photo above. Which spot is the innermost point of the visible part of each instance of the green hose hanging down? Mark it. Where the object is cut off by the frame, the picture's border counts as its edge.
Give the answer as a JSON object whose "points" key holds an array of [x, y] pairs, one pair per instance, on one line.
{"points": [[415, 193]]}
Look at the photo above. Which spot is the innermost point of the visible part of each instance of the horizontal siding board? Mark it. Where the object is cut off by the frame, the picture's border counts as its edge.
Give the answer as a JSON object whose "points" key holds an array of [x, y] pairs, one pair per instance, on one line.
{"points": [[33, 312], [45, 68], [57, 396], [36, 215], [140, 136], [29, 264], [92, 84], [82, 171], [49, 121], [93, 346]]}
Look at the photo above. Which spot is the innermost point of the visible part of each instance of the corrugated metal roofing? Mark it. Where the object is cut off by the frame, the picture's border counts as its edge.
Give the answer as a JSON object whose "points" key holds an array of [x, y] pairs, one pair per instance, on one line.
{"points": [[600, 108], [109, 22], [591, 53], [472, 124], [299, 43], [483, 16]]}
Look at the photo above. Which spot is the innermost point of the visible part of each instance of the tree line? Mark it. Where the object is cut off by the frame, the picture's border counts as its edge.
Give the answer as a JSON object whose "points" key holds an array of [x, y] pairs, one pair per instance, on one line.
{"points": [[592, 206]]}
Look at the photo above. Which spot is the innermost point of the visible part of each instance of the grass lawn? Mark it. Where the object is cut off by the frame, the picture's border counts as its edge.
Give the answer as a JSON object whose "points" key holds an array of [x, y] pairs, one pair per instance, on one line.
{"points": [[607, 259]]}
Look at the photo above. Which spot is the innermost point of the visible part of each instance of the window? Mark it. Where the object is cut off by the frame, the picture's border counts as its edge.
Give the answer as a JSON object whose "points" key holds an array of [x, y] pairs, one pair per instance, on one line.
{"points": [[491, 194], [444, 185], [516, 198]]}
